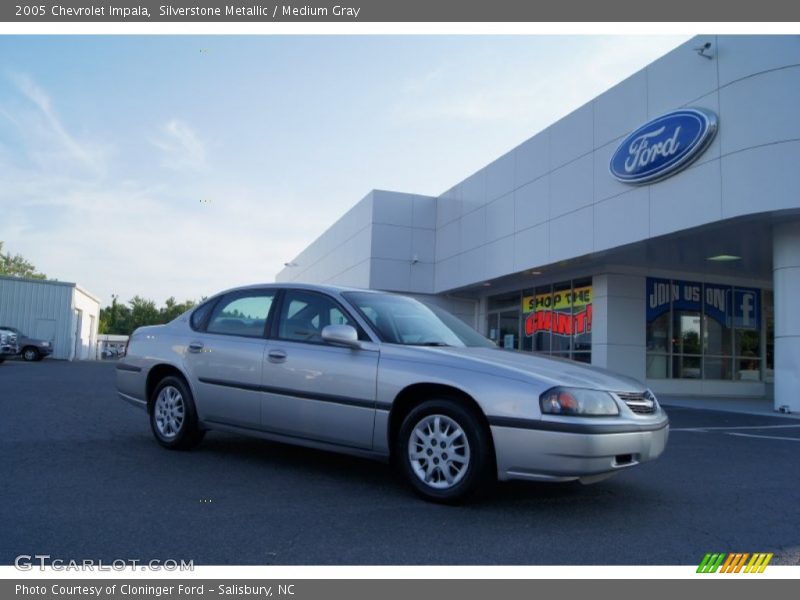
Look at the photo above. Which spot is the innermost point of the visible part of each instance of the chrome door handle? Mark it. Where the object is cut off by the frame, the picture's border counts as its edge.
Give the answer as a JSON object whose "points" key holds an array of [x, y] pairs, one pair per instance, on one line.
{"points": [[276, 356], [196, 347]]}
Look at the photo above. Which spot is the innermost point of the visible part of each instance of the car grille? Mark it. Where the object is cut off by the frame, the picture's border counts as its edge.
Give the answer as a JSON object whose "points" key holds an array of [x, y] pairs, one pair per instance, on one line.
{"points": [[641, 403]]}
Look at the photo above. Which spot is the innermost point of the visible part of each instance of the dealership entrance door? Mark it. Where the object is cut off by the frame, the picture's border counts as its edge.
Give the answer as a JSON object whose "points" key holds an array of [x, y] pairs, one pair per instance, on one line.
{"points": [[504, 328]]}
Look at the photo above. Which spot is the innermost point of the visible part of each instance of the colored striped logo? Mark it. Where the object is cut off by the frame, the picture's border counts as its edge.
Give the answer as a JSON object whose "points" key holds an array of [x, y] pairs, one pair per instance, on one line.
{"points": [[735, 562]]}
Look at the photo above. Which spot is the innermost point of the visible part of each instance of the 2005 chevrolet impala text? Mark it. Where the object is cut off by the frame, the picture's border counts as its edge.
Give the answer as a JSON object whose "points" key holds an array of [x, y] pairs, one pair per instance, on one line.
{"points": [[385, 376]]}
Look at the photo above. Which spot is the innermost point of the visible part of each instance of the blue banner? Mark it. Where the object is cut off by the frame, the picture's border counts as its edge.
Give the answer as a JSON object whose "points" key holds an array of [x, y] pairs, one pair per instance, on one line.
{"points": [[747, 308], [738, 307], [717, 303], [684, 295]]}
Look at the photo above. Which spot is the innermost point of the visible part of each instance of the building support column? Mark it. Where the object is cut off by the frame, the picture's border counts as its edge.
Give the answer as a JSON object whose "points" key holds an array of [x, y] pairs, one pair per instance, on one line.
{"points": [[786, 281], [618, 324]]}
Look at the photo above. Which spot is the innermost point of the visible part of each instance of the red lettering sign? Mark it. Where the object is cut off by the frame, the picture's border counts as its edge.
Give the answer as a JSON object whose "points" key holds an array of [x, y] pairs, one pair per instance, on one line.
{"points": [[560, 323]]}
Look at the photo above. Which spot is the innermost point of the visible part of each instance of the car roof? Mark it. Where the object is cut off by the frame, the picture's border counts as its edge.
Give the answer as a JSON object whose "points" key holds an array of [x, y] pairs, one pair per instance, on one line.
{"points": [[331, 289]]}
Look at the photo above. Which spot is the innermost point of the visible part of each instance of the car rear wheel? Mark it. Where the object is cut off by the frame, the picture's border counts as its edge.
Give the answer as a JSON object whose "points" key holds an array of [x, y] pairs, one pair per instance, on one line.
{"points": [[444, 452], [30, 354], [173, 418]]}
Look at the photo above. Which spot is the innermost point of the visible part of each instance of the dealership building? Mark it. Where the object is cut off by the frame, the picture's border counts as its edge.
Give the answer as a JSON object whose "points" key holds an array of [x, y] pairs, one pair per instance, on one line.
{"points": [[654, 231]]}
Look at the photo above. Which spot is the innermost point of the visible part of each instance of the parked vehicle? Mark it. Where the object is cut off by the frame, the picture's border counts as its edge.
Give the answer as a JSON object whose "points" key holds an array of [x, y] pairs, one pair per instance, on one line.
{"points": [[8, 343], [385, 376], [28, 348]]}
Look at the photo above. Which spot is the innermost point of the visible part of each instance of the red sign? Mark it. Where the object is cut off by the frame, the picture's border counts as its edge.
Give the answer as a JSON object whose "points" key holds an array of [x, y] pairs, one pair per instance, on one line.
{"points": [[560, 323]]}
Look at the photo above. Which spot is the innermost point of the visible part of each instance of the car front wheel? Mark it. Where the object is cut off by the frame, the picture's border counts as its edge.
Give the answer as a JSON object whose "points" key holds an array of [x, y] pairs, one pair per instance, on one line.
{"points": [[30, 354], [173, 418], [444, 452]]}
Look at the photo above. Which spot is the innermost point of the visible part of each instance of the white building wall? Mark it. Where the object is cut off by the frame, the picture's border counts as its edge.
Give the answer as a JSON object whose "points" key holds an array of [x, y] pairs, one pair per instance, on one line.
{"points": [[403, 242], [787, 319], [386, 241], [341, 255], [45, 310], [567, 205], [85, 320], [619, 323]]}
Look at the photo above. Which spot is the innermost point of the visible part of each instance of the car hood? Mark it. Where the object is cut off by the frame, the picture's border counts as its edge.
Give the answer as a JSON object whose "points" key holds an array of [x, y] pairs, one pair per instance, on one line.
{"points": [[524, 365]]}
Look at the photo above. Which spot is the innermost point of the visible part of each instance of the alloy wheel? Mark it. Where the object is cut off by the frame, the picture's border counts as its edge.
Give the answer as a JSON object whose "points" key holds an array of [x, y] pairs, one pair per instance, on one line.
{"points": [[438, 451], [169, 412]]}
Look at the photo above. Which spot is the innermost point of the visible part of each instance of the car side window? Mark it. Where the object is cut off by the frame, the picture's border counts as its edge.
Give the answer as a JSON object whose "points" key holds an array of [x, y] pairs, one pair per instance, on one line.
{"points": [[244, 314], [305, 314], [200, 313]]}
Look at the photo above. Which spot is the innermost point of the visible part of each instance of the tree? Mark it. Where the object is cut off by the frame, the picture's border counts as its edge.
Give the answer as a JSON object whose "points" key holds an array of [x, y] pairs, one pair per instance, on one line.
{"points": [[143, 312], [18, 266], [173, 309], [122, 319]]}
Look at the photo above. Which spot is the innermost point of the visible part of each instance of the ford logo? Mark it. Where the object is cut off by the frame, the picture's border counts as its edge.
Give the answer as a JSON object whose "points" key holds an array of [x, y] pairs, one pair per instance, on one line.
{"points": [[663, 146]]}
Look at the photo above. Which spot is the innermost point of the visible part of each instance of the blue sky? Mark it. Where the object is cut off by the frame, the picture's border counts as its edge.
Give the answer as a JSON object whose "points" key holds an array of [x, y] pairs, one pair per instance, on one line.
{"points": [[181, 165]]}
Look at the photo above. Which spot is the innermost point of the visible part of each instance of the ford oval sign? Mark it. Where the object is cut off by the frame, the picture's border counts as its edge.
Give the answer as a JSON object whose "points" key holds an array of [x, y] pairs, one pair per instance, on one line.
{"points": [[663, 146]]}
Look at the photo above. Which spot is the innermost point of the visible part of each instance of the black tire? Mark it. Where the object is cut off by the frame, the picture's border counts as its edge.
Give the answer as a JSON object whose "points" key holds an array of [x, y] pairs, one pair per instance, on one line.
{"points": [[2, 360], [30, 354], [478, 475], [163, 415]]}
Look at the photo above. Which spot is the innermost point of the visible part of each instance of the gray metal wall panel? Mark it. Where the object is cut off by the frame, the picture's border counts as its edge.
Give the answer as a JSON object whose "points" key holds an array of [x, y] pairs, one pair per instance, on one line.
{"points": [[24, 302]]}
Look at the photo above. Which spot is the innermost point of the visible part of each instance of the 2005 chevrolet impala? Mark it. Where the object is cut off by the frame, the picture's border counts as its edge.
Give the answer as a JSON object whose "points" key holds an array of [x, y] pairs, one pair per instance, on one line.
{"points": [[386, 376]]}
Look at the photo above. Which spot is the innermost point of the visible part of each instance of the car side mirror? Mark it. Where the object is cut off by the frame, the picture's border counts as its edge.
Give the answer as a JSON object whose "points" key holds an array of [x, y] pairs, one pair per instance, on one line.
{"points": [[341, 335]]}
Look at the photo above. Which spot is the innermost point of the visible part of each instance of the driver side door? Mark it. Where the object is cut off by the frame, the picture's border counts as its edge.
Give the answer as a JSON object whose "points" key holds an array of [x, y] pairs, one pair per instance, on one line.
{"points": [[312, 389]]}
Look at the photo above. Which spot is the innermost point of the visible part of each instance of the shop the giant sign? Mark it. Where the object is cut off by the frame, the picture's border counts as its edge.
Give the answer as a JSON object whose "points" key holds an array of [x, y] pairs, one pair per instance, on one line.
{"points": [[565, 313], [663, 146]]}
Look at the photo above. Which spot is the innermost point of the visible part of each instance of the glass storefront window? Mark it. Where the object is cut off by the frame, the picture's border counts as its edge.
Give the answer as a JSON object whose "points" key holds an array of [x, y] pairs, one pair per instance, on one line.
{"points": [[769, 322], [686, 367], [658, 333], [748, 343], [541, 301], [584, 357], [582, 318], [504, 301], [717, 367], [657, 366], [686, 332], [561, 326], [717, 332], [508, 322], [555, 319], [748, 369], [703, 330]]}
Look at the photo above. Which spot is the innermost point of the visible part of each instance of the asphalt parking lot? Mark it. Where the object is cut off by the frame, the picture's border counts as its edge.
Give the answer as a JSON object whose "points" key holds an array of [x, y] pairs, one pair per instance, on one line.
{"points": [[82, 478]]}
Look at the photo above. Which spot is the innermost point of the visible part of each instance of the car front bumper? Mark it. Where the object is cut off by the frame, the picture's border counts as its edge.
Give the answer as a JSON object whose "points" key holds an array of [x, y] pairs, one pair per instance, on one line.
{"points": [[548, 452]]}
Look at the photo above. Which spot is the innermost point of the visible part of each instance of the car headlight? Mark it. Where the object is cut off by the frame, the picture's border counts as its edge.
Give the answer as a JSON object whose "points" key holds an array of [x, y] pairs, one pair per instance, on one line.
{"points": [[578, 401]]}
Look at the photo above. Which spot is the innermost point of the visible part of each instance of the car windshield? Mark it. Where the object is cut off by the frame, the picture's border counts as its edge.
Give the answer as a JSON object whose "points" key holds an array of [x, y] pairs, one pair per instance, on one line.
{"points": [[402, 320]]}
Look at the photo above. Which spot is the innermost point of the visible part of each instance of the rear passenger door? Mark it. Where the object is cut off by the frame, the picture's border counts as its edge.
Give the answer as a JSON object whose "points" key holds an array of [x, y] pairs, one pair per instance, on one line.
{"points": [[226, 358], [314, 390]]}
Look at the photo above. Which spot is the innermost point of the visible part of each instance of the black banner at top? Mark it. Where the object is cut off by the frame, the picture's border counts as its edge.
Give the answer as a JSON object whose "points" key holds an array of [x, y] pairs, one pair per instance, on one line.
{"points": [[397, 11]]}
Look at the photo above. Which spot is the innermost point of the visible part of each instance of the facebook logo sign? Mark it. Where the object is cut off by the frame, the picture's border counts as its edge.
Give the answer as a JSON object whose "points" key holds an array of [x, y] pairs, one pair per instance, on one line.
{"points": [[746, 308]]}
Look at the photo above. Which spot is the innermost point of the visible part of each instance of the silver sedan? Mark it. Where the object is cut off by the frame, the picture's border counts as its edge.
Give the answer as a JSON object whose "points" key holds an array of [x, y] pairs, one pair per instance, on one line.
{"points": [[389, 377]]}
